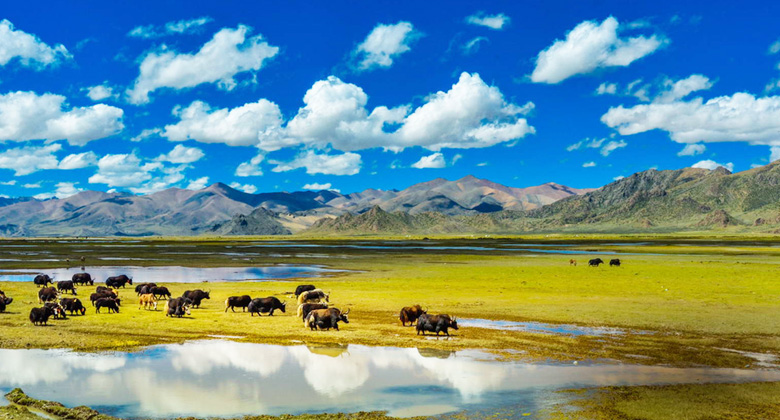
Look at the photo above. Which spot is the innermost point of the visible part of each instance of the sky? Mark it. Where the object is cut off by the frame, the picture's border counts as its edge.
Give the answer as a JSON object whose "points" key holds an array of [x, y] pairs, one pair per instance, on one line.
{"points": [[291, 95]]}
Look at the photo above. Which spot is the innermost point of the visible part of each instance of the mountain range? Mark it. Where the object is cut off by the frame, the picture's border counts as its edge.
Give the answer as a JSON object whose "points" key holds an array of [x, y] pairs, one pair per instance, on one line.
{"points": [[220, 209]]}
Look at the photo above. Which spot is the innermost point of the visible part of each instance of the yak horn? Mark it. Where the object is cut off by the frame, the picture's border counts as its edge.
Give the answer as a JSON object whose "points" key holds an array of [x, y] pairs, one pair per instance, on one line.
{"points": [[345, 313]]}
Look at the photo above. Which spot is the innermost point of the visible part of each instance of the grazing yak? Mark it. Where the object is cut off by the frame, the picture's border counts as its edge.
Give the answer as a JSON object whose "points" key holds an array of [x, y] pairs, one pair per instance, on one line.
{"points": [[303, 288], [263, 305], [40, 316], [47, 294], [4, 301], [66, 285], [303, 310], [82, 279], [147, 301], [160, 292], [43, 280], [313, 296], [111, 304], [410, 314], [234, 302], [144, 288], [196, 296], [105, 293], [615, 262], [72, 305], [436, 323], [119, 281], [177, 307], [573, 262], [595, 262], [59, 311], [325, 319]]}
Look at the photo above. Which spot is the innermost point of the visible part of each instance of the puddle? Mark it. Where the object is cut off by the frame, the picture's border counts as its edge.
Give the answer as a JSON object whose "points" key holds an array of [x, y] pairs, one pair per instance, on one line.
{"points": [[174, 274], [539, 327], [217, 378], [762, 359]]}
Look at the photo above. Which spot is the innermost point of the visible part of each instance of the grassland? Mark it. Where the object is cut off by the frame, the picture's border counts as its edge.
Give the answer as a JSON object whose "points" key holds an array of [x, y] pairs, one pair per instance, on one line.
{"points": [[681, 306]]}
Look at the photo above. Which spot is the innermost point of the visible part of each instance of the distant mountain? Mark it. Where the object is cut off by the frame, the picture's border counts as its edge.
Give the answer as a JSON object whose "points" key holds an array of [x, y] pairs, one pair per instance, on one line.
{"points": [[221, 209]]}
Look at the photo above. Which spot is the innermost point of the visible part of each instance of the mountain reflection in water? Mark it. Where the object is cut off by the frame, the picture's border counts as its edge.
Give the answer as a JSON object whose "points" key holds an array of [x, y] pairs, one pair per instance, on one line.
{"points": [[225, 379]]}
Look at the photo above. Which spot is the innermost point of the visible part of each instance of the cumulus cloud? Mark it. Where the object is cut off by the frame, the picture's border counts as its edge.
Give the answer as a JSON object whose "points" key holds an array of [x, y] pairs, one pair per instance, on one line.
{"points": [[607, 89], [591, 46], [589, 143], [317, 187], [28, 49], [11, 182], [123, 170], [497, 21], [239, 126], [433, 161], [343, 164], [247, 188], [63, 190], [383, 45], [198, 184], [227, 54], [774, 153], [182, 154], [179, 27], [78, 161], [712, 165], [739, 117], [146, 133], [692, 150], [29, 159], [29, 116], [100, 92], [251, 168]]}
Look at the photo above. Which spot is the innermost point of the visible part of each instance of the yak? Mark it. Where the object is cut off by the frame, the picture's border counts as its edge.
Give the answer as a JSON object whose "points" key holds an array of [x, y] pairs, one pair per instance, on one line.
{"points": [[325, 319], [4, 301], [313, 296], [263, 305], [111, 304], [160, 292], [119, 281], [47, 294], [303, 310], [144, 288], [43, 280], [147, 301], [303, 288], [59, 311], [72, 305], [104, 294], [234, 302], [40, 316], [410, 314], [65, 285], [615, 262], [177, 307], [82, 279], [595, 262], [436, 323], [196, 296]]}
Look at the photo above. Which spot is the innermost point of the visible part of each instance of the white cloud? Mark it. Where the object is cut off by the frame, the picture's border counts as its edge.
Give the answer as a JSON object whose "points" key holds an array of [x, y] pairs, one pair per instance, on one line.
{"points": [[590, 46], [456, 158], [612, 146], [317, 187], [607, 89], [472, 45], [618, 178], [496, 22], [32, 185], [383, 44], [227, 54], [251, 168], [239, 126], [775, 47], [11, 182], [28, 49], [182, 154], [198, 184], [28, 116], [483, 164], [78, 161], [692, 150], [588, 164], [740, 117], [247, 188], [123, 170], [673, 91], [711, 165], [179, 27], [433, 161], [774, 153], [64, 190], [29, 159], [343, 164], [146, 133], [100, 92]]}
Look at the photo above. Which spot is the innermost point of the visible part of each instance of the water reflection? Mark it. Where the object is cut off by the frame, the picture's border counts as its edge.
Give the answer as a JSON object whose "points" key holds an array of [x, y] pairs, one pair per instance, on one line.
{"points": [[224, 379], [540, 327], [174, 274]]}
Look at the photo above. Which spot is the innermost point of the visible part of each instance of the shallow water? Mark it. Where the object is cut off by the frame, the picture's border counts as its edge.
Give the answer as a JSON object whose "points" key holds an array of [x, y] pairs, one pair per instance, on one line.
{"points": [[225, 379], [175, 274], [540, 327]]}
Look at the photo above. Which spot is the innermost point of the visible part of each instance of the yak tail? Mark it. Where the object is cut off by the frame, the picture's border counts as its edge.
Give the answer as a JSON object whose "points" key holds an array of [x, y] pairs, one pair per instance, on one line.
{"points": [[300, 311], [302, 298], [226, 304]]}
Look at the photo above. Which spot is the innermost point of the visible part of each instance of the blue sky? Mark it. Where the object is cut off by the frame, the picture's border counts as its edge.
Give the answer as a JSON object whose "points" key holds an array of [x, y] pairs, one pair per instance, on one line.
{"points": [[282, 96]]}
